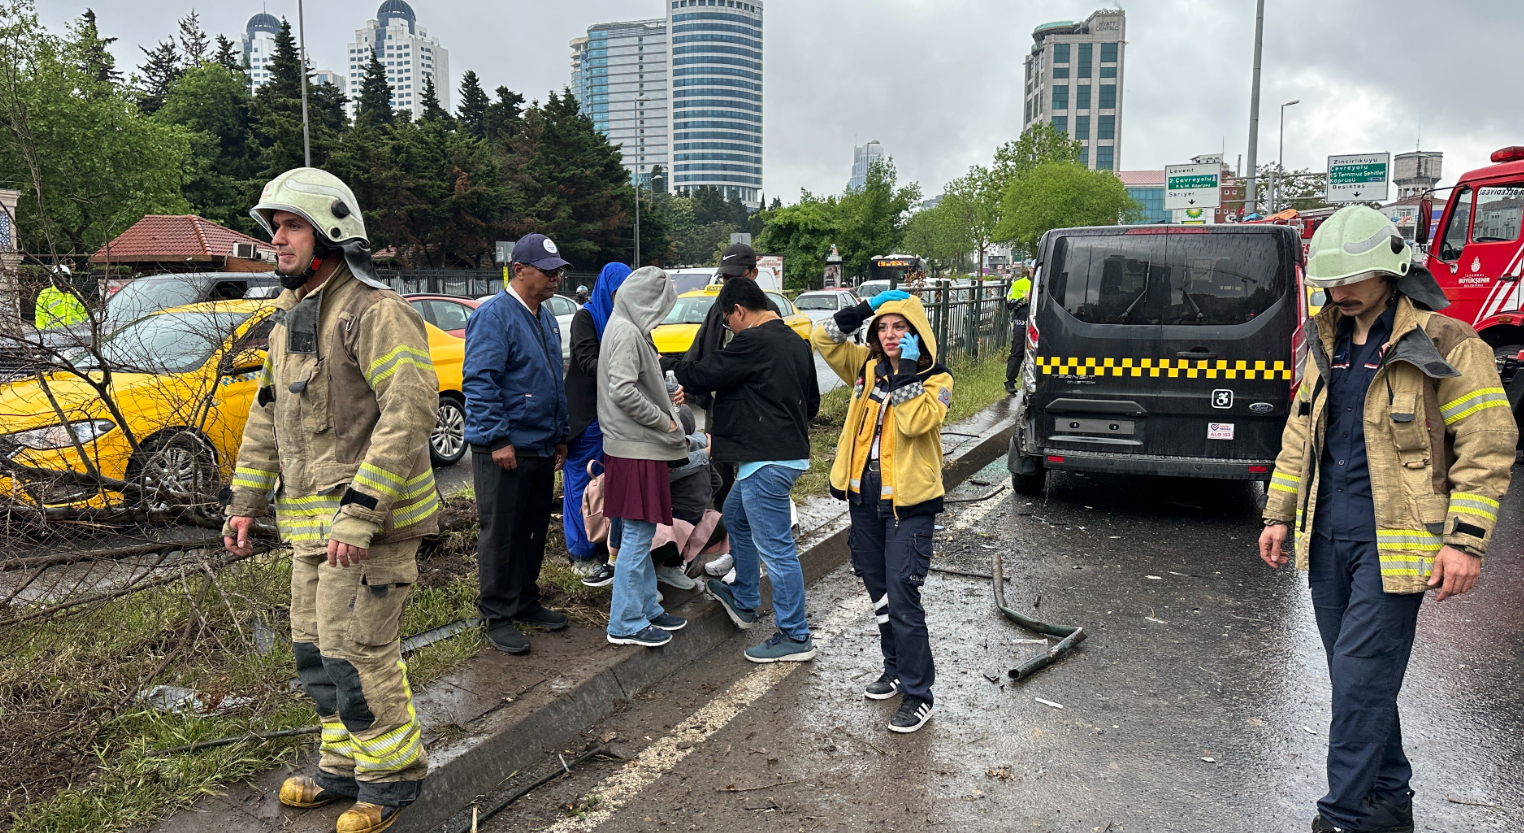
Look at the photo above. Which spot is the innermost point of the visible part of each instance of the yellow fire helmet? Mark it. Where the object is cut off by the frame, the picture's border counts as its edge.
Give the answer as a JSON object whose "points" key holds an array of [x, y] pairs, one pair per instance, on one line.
{"points": [[1355, 244], [318, 197]]}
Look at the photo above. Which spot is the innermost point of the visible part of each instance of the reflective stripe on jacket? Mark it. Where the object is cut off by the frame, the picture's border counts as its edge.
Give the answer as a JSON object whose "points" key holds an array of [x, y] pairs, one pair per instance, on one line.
{"points": [[343, 432], [1440, 440]]}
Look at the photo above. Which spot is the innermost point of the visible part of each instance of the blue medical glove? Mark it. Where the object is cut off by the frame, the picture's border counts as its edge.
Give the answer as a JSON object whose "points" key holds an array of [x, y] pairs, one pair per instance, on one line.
{"points": [[886, 296], [910, 348]]}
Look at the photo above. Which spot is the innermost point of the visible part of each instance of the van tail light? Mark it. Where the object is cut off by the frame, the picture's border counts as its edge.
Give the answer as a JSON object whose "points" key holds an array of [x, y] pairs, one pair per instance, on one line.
{"points": [[1032, 334], [1054, 458], [1259, 469]]}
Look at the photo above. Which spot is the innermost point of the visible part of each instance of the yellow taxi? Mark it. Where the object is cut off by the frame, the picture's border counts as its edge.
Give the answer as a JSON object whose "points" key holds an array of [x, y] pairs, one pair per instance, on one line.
{"points": [[675, 334], [171, 412]]}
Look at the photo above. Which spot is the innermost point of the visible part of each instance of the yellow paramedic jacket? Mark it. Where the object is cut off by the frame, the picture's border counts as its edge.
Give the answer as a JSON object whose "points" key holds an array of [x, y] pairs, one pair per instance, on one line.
{"points": [[1439, 437], [910, 448], [341, 433]]}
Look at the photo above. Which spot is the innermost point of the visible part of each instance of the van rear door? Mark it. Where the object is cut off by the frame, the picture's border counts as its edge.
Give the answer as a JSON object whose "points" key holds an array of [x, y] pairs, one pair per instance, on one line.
{"points": [[1166, 341]]}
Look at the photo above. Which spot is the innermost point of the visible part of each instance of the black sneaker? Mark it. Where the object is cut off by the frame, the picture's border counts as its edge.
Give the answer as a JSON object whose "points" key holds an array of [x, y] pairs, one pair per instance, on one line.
{"points": [[540, 616], [1010, 388], [506, 638], [913, 714], [602, 577], [1388, 816], [882, 688], [720, 591]]}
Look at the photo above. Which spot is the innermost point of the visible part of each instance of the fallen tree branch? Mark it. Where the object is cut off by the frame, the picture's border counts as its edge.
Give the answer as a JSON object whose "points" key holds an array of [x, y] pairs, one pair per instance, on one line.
{"points": [[109, 553], [197, 746]]}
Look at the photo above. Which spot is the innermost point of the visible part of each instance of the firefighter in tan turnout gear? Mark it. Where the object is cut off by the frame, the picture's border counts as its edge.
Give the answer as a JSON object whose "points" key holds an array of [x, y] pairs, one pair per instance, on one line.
{"points": [[1393, 462], [339, 433]]}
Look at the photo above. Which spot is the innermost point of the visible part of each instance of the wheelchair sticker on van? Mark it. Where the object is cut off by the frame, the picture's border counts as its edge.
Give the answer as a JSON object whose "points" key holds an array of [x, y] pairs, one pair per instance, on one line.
{"points": [[1219, 430], [1222, 398]]}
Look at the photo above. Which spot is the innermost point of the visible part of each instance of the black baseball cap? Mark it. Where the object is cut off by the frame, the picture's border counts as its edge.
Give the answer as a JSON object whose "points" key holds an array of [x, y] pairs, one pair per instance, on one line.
{"points": [[538, 251], [737, 259]]}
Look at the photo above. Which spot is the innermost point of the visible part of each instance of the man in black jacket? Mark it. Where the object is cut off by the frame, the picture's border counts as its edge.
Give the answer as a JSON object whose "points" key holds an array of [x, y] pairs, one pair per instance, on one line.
{"points": [[765, 395]]}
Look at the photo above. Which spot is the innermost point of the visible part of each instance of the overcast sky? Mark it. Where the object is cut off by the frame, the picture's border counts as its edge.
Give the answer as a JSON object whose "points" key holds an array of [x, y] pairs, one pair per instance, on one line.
{"points": [[939, 82]]}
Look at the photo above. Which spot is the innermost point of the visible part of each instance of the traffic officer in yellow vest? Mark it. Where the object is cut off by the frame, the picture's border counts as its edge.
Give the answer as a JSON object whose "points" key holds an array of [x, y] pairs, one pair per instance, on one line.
{"points": [[1394, 458], [339, 432], [1020, 307], [57, 305]]}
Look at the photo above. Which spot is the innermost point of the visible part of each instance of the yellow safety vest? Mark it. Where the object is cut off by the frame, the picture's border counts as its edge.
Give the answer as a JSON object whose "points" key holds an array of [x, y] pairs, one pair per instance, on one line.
{"points": [[57, 308], [1019, 289]]}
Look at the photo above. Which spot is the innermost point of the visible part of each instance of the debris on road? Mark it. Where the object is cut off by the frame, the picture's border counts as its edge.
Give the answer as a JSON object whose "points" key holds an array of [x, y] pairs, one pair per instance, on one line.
{"points": [[1069, 637], [179, 700], [1049, 703]]}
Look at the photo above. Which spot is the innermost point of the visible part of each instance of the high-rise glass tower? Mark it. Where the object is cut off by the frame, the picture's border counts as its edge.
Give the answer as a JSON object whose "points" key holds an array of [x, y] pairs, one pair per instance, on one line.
{"points": [[619, 75], [716, 102], [1074, 82], [863, 157], [258, 43]]}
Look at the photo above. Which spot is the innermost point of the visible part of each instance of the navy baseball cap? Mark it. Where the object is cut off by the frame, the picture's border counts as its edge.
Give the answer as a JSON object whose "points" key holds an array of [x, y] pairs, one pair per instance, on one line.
{"points": [[538, 251]]}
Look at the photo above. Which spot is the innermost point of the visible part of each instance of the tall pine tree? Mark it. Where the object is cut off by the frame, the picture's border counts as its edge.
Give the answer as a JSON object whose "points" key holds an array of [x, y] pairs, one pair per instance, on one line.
{"points": [[473, 105], [278, 111], [431, 109], [159, 72], [227, 55], [374, 106], [193, 40]]}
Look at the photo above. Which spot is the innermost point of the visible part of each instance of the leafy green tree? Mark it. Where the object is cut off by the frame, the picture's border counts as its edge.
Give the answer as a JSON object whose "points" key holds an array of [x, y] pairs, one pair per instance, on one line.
{"points": [[159, 72], [87, 161], [568, 182], [1061, 195], [213, 104], [972, 204], [932, 234], [803, 233], [473, 105], [1039, 144], [872, 219]]}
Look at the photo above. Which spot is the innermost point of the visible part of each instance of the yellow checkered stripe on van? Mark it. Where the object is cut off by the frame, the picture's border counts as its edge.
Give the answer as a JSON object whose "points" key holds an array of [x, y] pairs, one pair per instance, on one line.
{"points": [[1165, 368]]}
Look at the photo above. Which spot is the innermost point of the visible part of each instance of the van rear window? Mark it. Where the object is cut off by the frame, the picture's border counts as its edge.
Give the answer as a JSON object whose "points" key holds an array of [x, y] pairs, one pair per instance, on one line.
{"points": [[1175, 279]]}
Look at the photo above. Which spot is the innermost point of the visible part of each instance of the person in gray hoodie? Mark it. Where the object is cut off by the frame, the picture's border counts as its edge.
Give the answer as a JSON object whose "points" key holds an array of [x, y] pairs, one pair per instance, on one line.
{"points": [[640, 436]]}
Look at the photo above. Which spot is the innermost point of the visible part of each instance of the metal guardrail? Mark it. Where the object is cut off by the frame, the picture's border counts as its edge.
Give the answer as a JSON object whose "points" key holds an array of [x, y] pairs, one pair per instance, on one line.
{"points": [[969, 321]]}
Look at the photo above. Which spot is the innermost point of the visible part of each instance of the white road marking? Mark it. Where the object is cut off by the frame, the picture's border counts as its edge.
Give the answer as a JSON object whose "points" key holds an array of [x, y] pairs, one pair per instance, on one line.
{"points": [[662, 756]]}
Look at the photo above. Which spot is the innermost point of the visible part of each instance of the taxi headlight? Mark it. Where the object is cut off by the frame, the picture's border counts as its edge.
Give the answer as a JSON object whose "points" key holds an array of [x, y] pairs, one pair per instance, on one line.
{"points": [[57, 436]]}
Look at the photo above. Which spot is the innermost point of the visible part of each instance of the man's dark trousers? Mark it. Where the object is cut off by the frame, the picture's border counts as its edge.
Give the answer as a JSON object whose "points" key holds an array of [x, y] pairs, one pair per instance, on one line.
{"points": [[1368, 636], [1018, 343], [514, 508], [892, 557]]}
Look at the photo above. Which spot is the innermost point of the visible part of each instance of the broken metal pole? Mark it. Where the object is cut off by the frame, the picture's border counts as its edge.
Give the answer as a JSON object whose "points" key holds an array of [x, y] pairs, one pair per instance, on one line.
{"points": [[1069, 637]]}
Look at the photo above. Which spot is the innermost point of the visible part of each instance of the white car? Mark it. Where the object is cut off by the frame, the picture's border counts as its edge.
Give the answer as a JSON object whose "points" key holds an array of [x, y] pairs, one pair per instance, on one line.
{"points": [[824, 303]]}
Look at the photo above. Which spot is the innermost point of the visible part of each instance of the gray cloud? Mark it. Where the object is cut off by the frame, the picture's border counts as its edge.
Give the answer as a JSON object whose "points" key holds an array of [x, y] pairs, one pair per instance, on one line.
{"points": [[939, 81]]}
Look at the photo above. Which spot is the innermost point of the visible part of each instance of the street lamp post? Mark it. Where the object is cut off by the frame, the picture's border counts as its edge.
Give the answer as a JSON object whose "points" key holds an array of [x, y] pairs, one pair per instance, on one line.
{"points": [[1280, 161], [301, 32], [640, 153]]}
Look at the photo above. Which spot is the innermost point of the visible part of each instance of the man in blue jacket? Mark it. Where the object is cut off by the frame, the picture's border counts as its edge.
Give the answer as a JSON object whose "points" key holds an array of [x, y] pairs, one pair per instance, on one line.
{"points": [[517, 426]]}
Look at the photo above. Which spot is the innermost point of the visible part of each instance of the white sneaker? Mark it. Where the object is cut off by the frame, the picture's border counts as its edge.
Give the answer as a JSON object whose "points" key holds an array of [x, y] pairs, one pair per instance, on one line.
{"points": [[675, 577], [720, 566], [585, 567], [730, 577]]}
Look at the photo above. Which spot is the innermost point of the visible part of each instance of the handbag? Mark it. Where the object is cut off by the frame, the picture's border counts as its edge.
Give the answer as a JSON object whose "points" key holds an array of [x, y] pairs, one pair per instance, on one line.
{"points": [[593, 521]]}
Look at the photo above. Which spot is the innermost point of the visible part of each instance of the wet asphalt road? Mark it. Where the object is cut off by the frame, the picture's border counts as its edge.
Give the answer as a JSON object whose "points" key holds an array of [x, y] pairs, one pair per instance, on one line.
{"points": [[1197, 651]]}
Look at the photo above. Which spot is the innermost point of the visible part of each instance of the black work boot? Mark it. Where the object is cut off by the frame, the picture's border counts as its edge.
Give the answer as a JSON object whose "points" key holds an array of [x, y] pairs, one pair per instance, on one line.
{"points": [[1388, 816]]}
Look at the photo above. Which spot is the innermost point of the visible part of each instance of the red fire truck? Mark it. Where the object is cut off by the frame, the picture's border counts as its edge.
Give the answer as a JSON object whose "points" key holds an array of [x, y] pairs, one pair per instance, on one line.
{"points": [[1477, 256]]}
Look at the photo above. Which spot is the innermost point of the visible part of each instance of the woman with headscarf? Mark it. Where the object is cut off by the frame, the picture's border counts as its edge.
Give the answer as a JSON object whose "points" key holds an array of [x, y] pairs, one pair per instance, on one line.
{"points": [[588, 559]]}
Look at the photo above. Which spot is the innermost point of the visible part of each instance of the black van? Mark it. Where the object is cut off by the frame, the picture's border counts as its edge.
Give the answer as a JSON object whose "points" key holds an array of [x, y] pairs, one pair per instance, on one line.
{"points": [[1162, 350]]}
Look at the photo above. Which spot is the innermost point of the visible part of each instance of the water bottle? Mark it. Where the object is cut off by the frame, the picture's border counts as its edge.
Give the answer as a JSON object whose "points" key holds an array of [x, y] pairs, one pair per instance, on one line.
{"points": [[672, 384]]}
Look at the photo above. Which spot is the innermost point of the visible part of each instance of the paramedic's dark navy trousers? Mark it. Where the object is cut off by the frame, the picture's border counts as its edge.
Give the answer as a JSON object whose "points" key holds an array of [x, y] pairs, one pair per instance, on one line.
{"points": [[892, 557], [1368, 636]]}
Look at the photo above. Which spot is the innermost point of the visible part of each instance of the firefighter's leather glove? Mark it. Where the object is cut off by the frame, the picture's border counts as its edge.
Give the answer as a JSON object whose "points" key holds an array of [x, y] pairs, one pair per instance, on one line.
{"points": [[910, 348], [885, 297]]}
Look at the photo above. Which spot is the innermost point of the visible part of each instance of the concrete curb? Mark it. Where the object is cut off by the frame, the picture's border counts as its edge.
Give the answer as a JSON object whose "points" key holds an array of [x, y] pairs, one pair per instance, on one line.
{"points": [[505, 738]]}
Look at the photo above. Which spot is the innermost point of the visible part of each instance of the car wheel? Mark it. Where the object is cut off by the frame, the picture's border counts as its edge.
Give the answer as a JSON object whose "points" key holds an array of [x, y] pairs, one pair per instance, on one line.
{"points": [[176, 470], [447, 442], [1029, 484]]}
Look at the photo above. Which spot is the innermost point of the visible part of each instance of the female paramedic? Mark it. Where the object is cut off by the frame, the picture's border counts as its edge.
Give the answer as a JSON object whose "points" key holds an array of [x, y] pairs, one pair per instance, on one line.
{"points": [[889, 468]]}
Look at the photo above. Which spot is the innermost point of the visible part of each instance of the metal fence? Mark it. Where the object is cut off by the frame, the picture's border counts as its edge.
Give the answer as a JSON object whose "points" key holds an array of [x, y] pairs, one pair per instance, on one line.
{"points": [[467, 283], [969, 320]]}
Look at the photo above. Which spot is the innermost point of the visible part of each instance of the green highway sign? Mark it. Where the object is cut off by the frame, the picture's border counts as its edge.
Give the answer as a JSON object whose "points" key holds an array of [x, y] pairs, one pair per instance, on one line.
{"points": [[1192, 186], [1360, 177]]}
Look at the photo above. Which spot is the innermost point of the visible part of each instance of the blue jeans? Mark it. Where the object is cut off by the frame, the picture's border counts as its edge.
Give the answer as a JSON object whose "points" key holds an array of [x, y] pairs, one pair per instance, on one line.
{"points": [[634, 604], [587, 445], [757, 517]]}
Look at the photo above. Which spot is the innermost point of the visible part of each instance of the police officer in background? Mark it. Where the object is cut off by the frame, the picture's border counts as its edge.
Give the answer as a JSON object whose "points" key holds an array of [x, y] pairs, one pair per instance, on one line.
{"points": [[346, 402], [1394, 458], [1019, 303]]}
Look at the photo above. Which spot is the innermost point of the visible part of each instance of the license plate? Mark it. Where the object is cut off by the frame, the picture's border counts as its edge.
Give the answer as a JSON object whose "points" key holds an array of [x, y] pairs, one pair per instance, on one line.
{"points": [[1117, 427]]}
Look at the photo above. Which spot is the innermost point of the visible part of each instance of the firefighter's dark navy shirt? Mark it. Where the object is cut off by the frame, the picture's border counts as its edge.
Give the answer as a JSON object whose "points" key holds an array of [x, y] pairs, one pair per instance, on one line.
{"points": [[1346, 511]]}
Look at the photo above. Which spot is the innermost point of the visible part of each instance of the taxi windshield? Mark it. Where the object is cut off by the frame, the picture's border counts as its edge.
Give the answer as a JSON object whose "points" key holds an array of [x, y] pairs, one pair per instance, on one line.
{"points": [[690, 310], [171, 342]]}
